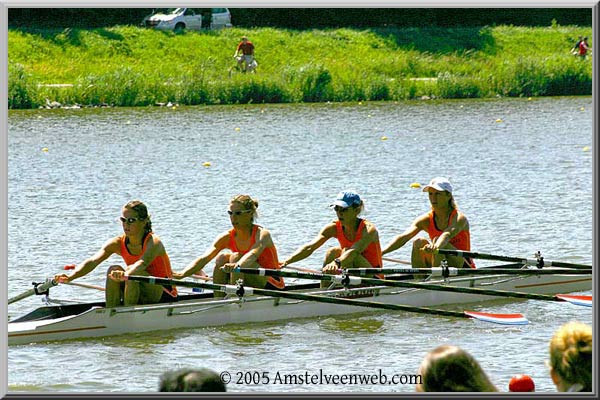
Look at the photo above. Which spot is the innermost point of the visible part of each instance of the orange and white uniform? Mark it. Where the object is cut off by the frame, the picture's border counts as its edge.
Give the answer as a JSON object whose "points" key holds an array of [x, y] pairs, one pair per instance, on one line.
{"points": [[268, 258], [373, 251], [462, 240], [159, 267]]}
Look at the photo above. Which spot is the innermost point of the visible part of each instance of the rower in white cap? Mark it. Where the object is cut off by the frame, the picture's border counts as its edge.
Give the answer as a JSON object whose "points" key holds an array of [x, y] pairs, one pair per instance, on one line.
{"points": [[447, 227]]}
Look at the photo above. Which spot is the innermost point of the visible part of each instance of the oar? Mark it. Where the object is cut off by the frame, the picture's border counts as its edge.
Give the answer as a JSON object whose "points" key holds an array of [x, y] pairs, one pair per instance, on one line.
{"points": [[355, 280], [505, 319], [451, 271], [85, 285], [395, 260], [538, 262], [38, 288]]}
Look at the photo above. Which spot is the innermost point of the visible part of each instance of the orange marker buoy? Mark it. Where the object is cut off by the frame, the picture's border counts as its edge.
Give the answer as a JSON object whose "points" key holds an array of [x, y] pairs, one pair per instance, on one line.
{"points": [[521, 383]]}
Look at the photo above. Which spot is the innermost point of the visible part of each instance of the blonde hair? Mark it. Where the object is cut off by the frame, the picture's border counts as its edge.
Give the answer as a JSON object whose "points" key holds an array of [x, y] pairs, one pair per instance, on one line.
{"points": [[247, 202], [451, 369], [571, 354]]}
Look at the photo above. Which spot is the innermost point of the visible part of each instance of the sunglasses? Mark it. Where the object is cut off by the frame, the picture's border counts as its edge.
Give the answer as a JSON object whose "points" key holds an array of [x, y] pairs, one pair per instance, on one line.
{"points": [[341, 209], [129, 220], [238, 212]]}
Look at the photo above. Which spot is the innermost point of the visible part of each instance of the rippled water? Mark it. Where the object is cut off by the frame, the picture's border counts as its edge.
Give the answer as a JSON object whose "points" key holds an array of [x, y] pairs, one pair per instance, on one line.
{"points": [[522, 172]]}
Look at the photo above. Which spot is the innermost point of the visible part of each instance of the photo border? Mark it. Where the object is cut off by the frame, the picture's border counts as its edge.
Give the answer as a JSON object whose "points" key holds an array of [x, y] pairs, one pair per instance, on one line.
{"points": [[4, 5]]}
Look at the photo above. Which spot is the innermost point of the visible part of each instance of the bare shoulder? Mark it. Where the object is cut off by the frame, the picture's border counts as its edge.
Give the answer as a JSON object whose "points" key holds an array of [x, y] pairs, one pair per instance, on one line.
{"points": [[369, 226]]}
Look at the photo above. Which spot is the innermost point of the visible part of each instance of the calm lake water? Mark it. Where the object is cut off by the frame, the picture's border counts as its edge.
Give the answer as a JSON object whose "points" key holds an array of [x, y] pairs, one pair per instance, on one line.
{"points": [[522, 172]]}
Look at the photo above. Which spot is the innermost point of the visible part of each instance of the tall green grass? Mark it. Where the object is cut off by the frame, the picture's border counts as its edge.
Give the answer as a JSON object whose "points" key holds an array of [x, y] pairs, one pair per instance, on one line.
{"points": [[132, 66]]}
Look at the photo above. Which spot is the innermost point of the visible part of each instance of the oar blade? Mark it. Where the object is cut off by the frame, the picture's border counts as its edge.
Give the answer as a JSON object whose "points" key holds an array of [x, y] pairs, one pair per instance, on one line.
{"points": [[578, 300], [502, 319]]}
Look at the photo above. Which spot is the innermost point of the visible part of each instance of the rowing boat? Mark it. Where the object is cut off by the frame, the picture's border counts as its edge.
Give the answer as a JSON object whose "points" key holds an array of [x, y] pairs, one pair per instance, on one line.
{"points": [[196, 310]]}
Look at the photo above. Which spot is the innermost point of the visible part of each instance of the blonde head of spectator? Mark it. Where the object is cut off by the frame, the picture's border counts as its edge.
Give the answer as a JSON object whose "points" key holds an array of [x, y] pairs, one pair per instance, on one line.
{"points": [[571, 357]]}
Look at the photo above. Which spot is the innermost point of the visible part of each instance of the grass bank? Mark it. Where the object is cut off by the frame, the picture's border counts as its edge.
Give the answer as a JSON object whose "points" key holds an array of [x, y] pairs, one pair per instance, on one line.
{"points": [[132, 66]]}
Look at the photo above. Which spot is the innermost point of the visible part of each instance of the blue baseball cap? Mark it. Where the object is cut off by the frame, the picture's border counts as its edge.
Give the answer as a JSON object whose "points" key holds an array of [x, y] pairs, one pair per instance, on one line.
{"points": [[346, 199]]}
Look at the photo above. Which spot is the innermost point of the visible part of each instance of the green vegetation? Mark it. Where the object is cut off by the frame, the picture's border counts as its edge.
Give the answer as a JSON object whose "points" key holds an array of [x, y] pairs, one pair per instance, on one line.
{"points": [[132, 66]]}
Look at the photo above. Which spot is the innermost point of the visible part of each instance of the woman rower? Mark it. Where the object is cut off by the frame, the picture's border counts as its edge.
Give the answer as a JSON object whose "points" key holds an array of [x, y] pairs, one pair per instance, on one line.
{"points": [[251, 247], [358, 239], [447, 227], [144, 254]]}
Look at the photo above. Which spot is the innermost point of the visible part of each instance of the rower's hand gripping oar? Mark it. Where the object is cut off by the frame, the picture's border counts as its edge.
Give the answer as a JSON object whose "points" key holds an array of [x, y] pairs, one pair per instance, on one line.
{"points": [[538, 261], [240, 290]]}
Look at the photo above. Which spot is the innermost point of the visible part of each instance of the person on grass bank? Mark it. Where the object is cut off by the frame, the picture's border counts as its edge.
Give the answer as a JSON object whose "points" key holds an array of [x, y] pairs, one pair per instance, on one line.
{"points": [[358, 238], [251, 246], [447, 228], [571, 357], [144, 254], [451, 369]]}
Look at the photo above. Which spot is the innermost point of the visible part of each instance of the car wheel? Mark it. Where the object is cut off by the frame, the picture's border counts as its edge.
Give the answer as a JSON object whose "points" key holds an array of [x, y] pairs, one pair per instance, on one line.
{"points": [[180, 27]]}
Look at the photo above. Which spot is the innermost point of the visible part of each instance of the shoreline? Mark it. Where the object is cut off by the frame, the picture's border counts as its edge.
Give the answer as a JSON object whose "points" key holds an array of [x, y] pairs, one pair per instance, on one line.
{"points": [[133, 66]]}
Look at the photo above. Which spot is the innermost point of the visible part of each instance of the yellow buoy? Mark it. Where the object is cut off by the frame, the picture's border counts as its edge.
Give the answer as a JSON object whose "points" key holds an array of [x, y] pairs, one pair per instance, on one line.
{"points": [[415, 185], [237, 129], [45, 149], [384, 138], [529, 98], [499, 120], [360, 103], [206, 164], [582, 108], [586, 148], [369, 116]]}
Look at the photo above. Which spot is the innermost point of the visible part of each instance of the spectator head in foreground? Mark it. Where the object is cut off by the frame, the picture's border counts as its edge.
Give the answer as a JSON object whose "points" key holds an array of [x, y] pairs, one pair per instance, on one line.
{"points": [[191, 380], [451, 369], [571, 357]]}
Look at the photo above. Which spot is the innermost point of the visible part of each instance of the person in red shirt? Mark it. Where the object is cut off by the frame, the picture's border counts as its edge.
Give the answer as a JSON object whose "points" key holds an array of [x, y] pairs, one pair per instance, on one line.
{"points": [[143, 253], [249, 245], [583, 48], [244, 54], [446, 226]]}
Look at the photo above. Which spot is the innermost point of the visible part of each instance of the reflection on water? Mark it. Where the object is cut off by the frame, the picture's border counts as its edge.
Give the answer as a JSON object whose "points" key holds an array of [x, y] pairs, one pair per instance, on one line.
{"points": [[346, 325], [525, 184]]}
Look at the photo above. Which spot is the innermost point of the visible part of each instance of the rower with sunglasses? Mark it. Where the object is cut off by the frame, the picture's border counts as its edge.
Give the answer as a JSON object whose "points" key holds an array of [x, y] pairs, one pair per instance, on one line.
{"points": [[143, 253], [251, 246], [358, 239]]}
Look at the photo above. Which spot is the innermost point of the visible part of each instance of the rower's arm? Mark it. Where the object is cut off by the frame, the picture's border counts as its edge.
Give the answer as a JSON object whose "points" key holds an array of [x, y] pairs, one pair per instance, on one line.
{"points": [[219, 244], [251, 257], [458, 225], [109, 248], [369, 236], [400, 240], [305, 251], [154, 248]]}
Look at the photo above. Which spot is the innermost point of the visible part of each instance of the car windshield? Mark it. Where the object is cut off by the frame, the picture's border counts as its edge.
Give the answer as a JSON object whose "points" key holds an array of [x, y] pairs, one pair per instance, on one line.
{"points": [[168, 11]]}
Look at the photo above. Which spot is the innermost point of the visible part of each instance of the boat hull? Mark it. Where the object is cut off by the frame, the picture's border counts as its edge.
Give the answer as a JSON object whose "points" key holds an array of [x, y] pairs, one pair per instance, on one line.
{"points": [[65, 322]]}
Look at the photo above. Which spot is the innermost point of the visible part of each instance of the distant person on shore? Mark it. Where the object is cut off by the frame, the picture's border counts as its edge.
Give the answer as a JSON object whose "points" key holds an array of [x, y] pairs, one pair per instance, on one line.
{"points": [[575, 48], [447, 228], [191, 380], [144, 254], [583, 48], [571, 357], [358, 239], [244, 54], [521, 383], [250, 246], [451, 369]]}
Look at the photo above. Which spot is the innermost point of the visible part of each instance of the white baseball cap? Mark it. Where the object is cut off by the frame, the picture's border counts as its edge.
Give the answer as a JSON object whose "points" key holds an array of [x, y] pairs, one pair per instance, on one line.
{"points": [[440, 184]]}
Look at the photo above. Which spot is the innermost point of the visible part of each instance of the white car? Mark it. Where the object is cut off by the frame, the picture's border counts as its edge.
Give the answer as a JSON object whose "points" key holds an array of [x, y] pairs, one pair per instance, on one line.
{"points": [[179, 19]]}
